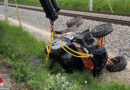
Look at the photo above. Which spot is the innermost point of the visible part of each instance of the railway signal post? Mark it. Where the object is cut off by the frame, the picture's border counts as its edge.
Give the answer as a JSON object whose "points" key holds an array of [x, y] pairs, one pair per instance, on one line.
{"points": [[90, 5], [6, 9]]}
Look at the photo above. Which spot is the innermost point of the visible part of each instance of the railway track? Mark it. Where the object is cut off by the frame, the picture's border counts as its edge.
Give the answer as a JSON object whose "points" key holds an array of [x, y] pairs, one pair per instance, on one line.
{"points": [[128, 15], [74, 13]]}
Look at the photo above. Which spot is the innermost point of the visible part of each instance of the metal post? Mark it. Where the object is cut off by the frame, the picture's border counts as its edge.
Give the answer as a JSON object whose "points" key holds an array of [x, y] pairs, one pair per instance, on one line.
{"points": [[6, 9], [90, 5]]}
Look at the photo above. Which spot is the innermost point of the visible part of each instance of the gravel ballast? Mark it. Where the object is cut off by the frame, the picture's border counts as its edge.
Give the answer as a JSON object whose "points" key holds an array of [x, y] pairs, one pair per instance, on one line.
{"points": [[117, 43]]}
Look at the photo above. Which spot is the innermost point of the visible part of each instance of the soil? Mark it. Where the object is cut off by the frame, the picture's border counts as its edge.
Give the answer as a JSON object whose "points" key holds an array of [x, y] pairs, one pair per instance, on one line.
{"points": [[4, 69], [122, 76]]}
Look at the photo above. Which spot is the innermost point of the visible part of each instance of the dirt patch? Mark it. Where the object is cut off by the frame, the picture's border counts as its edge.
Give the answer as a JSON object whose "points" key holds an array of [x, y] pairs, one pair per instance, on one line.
{"points": [[19, 86], [122, 76], [4, 69], [1, 58]]}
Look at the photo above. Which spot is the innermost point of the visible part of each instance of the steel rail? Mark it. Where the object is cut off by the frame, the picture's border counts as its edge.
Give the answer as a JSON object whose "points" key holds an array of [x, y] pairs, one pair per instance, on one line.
{"points": [[114, 21], [115, 14], [108, 13]]}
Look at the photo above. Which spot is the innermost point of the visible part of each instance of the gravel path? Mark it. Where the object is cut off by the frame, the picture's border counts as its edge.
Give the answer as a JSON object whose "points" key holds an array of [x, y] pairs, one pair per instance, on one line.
{"points": [[118, 42], [87, 13]]}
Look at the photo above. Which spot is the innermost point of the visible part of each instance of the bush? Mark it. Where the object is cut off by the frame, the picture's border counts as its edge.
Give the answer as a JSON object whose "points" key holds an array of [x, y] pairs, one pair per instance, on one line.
{"points": [[59, 82]]}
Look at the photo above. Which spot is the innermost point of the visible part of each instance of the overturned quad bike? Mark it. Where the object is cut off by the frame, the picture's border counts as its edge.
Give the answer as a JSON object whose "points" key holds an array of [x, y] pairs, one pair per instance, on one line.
{"points": [[79, 50], [85, 42]]}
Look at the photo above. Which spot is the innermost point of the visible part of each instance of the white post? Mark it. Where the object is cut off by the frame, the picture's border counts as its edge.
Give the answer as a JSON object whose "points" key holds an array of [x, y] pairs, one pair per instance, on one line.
{"points": [[90, 5], [6, 9]]}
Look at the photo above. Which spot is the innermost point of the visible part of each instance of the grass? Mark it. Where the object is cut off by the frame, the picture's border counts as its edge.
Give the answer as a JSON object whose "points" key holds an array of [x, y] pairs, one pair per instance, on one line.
{"points": [[119, 6], [26, 56]]}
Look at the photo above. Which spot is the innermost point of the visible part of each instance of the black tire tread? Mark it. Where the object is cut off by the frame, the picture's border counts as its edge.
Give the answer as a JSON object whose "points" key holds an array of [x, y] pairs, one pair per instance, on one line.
{"points": [[119, 66], [102, 30]]}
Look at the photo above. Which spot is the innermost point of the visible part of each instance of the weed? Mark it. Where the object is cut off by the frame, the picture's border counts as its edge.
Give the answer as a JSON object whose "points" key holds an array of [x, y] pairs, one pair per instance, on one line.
{"points": [[59, 82]]}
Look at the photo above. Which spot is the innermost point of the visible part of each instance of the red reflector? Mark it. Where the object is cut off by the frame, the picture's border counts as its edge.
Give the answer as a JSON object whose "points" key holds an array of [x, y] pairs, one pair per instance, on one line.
{"points": [[60, 50]]}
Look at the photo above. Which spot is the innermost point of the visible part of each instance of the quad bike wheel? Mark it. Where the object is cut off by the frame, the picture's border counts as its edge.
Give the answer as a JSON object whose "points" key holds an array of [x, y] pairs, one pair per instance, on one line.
{"points": [[102, 30], [118, 65], [74, 21]]}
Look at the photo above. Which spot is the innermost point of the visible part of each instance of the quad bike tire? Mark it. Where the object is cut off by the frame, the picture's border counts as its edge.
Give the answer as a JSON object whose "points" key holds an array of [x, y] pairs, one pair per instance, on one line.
{"points": [[118, 65], [74, 21], [102, 30]]}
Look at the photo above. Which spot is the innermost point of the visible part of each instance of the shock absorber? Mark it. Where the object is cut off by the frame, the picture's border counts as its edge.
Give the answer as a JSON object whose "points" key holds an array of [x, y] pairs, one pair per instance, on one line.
{"points": [[55, 5], [51, 9]]}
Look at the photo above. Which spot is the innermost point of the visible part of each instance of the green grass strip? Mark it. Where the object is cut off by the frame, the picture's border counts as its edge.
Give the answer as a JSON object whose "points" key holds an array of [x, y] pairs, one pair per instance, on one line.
{"points": [[119, 6]]}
